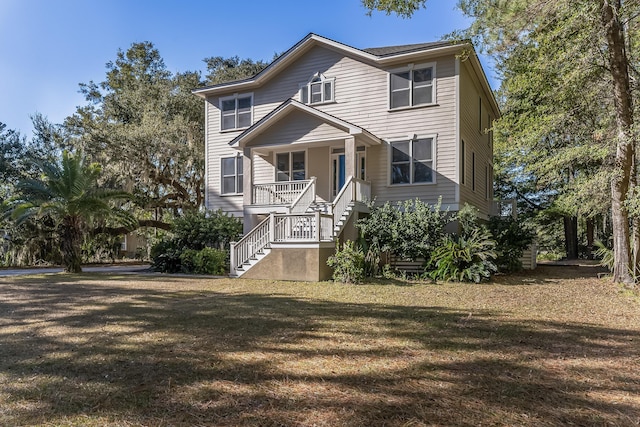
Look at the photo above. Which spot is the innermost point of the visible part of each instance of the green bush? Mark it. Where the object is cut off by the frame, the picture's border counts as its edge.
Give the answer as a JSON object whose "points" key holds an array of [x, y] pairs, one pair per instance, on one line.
{"points": [[206, 229], [512, 238], [188, 260], [165, 257], [210, 261], [198, 243], [408, 230], [469, 258], [347, 263]]}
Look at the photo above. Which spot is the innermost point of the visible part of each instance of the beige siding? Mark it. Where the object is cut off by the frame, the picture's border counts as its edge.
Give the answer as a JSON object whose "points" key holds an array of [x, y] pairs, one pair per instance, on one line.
{"points": [[477, 141], [318, 159], [300, 128], [361, 95]]}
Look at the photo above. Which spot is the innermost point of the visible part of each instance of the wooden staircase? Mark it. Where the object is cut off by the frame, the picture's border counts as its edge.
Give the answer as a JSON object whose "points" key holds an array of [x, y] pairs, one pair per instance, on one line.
{"points": [[308, 221]]}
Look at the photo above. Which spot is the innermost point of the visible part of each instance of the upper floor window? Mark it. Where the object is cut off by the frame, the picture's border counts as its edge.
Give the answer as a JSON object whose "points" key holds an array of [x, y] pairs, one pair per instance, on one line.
{"points": [[412, 86], [412, 161], [236, 111], [318, 90]]}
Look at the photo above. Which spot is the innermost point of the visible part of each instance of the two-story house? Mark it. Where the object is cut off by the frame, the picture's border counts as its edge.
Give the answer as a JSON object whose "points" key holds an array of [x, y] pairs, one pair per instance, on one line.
{"points": [[298, 149]]}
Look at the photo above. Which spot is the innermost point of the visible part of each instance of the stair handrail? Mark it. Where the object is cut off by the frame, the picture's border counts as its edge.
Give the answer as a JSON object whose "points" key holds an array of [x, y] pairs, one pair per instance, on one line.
{"points": [[343, 199], [305, 198], [252, 243]]}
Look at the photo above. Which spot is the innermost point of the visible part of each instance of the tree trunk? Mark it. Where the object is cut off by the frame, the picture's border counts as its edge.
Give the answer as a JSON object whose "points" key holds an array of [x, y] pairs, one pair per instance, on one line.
{"points": [[590, 223], [71, 244], [618, 64], [571, 236]]}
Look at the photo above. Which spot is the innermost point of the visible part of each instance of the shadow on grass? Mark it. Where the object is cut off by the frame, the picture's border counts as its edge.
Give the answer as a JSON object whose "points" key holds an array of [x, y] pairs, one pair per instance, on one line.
{"points": [[203, 357]]}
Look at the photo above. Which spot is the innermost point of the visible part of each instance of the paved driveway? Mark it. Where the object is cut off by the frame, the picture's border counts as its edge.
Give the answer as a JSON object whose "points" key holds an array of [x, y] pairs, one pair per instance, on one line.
{"points": [[95, 269]]}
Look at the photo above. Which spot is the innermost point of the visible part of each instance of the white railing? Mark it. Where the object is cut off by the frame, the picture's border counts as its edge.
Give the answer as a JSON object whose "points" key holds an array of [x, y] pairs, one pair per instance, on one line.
{"points": [[354, 190], [306, 197], [304, 227], [251, 244], [278, 193]]}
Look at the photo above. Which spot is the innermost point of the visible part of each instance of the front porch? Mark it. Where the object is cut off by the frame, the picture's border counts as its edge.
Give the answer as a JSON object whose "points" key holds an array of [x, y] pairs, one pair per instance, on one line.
{"points": [[296, 221]]}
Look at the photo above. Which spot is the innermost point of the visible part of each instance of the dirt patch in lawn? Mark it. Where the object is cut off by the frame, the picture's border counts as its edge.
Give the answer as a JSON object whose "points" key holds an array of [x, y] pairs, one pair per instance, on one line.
{"points": [[553, 347]]}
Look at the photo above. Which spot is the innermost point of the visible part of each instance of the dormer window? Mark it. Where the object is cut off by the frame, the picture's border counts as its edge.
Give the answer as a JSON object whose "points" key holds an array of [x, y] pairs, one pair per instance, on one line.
{"points": [[317, 90]]}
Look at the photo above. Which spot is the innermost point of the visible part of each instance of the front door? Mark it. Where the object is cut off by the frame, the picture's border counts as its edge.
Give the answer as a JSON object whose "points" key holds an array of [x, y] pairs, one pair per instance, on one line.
{"points": [[338, 170]]}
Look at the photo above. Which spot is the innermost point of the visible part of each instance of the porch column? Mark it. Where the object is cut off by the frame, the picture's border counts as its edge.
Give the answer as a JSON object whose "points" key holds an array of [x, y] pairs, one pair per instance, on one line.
{"points": [[249, 221], [351, 165], [247, 177]]}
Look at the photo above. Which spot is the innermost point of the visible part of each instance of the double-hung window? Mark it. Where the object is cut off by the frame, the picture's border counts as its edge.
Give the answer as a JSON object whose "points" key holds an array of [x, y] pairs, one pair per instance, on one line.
{"points": [[232, 175], [236, 111], [317, 90], [290, 166], [412, 161], [412, 86]]}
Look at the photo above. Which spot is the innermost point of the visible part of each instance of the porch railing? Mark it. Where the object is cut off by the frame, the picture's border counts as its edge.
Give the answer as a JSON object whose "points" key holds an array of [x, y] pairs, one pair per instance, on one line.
{"points": [[278, 193], [311, 227]]}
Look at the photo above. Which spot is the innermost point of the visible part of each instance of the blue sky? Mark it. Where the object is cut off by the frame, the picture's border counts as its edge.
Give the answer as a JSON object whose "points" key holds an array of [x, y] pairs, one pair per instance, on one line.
{"points": [[48, 47]]}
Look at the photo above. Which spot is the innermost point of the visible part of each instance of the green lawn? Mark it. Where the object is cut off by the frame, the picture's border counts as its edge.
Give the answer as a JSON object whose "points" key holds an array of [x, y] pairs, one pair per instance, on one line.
{"points": [[558, 347]]}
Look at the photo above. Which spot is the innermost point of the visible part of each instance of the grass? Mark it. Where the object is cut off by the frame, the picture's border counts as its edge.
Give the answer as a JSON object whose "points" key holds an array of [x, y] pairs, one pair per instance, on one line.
{"points": [[557, 347]]}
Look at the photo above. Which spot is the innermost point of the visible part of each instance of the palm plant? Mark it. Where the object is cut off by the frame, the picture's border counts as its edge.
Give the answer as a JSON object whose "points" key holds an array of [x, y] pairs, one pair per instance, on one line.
{"points": [[68, 192]]}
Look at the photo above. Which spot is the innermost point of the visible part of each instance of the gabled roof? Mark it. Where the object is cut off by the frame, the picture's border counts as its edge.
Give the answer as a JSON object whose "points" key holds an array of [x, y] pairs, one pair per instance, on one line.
{"points": [[292, 105], [380, 56]]}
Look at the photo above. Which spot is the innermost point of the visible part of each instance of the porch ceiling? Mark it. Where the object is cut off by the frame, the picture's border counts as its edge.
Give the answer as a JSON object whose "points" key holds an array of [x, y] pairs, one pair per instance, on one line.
{"points": [[293, 122]]}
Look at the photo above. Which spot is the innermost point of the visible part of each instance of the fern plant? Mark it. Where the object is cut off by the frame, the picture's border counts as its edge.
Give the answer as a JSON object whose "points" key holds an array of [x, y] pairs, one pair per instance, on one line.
{"points": [[604, 254], [469, 258]]}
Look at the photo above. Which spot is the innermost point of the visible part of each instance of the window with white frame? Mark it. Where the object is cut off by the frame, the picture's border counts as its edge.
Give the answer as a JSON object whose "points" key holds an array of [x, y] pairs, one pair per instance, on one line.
{"points": [[412, 86], [235, 111], [412, 161], [317, 90], [231, 175], [290, 166]]}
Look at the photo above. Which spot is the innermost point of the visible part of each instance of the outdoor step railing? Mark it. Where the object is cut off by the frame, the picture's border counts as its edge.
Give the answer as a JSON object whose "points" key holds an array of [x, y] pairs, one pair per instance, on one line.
{"points": [[305, 198], [354, 190], [251, 244]]}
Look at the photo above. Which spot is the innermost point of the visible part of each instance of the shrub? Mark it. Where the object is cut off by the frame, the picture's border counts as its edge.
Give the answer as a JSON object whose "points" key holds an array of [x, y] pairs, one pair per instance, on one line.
{"points": [[347, 263], [465, 259], [198, 244], [409, 230], [210, 261], [165, 257], [512, 238], [206, 229]]}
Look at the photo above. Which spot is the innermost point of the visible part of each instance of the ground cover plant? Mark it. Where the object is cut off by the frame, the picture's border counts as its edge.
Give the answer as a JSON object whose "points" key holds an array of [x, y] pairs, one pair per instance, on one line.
{"points": [[554, 347]]}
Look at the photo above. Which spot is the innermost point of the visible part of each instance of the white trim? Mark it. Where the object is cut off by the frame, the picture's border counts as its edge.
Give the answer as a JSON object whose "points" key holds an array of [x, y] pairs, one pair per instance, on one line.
{"points": [[206, 153], [293, 104], [235, 97], [458, 138], [306, 245], [434, 143], [410, 68], [237, 157], [313, 40], [288, 149], [322, 81]]}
